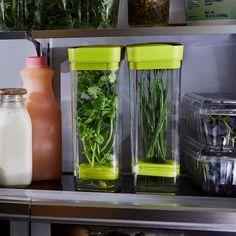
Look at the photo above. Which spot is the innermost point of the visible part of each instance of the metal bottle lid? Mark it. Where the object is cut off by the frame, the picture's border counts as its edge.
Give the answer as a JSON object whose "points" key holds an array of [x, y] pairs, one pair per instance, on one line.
{"points": [[12, 91]]}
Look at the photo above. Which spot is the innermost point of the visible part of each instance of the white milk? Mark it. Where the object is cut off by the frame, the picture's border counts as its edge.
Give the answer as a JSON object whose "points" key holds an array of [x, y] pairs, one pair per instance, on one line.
{"points": [[15, 147]]}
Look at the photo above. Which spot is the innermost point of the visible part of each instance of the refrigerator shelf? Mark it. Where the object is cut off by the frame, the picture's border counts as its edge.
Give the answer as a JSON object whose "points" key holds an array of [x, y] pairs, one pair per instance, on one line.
{"points": [[121, 32], [186, 211]]}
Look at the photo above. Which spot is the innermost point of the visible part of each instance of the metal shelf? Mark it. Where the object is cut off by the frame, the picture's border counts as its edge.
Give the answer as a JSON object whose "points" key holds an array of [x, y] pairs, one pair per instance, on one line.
{"points": [[13, 35], [121, 32], [123, 210], [130, 210], [144, 31], [14, 206]]}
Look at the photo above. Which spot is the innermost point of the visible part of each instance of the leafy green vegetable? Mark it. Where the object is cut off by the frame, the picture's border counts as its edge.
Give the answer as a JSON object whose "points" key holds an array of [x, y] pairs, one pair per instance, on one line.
{"points": [[96, 107], [97, 14], [58, 14], [154, 108], [19, 15]]}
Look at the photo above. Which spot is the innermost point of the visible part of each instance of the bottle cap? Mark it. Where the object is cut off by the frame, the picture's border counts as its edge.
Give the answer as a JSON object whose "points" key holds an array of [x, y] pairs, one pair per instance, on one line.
{"points": [[36, 61], [13, 91]]}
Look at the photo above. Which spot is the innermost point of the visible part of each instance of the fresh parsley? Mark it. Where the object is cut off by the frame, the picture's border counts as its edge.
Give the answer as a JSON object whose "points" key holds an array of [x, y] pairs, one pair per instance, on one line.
{"points": [[96, 111]]}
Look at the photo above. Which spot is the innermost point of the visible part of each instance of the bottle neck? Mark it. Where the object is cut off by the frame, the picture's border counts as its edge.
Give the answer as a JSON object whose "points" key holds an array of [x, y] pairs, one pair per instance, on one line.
{"points": [[11, 100]]}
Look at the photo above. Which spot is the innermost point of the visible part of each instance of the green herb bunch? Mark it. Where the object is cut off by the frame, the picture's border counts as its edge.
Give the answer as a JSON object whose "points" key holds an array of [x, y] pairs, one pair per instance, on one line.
{"points": [[36, 14], [96, 14], [54, 14], [19, 15], [96, 106], [155, 104], [58, 14]]}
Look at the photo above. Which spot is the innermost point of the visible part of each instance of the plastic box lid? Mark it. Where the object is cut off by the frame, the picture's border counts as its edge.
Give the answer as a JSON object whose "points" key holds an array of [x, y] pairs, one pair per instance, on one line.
{"points": [[155, 56], [95, 57], [203, 151], [214, 104]]}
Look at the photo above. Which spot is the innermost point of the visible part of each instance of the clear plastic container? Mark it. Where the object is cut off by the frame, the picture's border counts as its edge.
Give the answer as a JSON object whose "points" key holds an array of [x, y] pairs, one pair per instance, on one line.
{"points": [[26, 15], [59, 14], [96, 117], [19, 14], [210, 118], [155, 96], [214, 171], [95, 14], [148, 12], [15, 139], [202, 12]]}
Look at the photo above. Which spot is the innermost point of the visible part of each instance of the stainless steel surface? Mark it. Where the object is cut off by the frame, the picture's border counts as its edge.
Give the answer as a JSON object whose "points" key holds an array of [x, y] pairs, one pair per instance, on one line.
{"points": [[13, 35], [126, 210], [132, 210], [122, 32], [19, 228], [142, 31], [14, 205]]}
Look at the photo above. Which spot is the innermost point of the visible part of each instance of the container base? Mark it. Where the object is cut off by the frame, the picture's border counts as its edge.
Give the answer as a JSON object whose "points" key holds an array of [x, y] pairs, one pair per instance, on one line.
{"points": [[96, 185], [156, 184]]}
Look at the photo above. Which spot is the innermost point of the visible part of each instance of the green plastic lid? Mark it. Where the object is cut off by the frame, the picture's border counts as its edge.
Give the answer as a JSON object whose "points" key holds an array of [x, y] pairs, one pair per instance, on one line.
{"points": [[95, 57], [155, 56]]}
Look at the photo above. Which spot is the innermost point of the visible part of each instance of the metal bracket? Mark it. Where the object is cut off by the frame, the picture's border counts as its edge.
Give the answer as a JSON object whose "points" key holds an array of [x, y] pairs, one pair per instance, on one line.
{"points": [[42, 49], [37, 45]]}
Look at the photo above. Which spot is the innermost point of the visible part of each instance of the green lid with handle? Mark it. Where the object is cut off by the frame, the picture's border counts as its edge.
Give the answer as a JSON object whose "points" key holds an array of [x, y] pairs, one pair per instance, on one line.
{"points": [[95, 58], [155, 56]]}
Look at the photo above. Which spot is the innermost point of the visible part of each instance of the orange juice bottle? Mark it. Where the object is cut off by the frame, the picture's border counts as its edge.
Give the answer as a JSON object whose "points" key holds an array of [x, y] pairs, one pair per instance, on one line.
{"points": [[46, 119]]}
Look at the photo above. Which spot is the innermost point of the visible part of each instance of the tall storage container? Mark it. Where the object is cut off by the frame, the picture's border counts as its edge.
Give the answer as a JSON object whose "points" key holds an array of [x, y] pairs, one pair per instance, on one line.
{"points": [[155, 97], [96, 117]]}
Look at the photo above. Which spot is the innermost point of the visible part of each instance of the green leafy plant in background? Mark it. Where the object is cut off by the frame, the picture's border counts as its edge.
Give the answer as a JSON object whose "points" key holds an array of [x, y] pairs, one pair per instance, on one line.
{"points": [[36, 14], [53, 15], [19, 15], [154, 107], [96, 14], [58, 14], [96, 111]]}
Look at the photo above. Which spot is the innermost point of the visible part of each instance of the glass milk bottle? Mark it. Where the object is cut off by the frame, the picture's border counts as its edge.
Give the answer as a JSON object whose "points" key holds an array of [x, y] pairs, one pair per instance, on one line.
{"points": [[96, 117], [46, 119], [15, 139], [155, 98]]}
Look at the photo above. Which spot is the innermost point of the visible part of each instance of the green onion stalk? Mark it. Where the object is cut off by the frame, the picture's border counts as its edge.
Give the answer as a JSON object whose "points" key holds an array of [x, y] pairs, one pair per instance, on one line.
{"points": [[154, 108]]}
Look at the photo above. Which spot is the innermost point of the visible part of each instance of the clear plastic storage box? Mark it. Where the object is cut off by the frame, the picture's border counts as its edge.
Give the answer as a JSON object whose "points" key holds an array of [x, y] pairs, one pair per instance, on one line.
{"points": [[27, 15], [96, 117], [155, 74], [214, 171], [210, 119]]}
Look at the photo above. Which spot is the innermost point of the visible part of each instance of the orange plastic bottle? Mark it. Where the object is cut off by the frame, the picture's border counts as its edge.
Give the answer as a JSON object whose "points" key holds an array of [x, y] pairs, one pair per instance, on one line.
{"points": [[46, 119]]}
